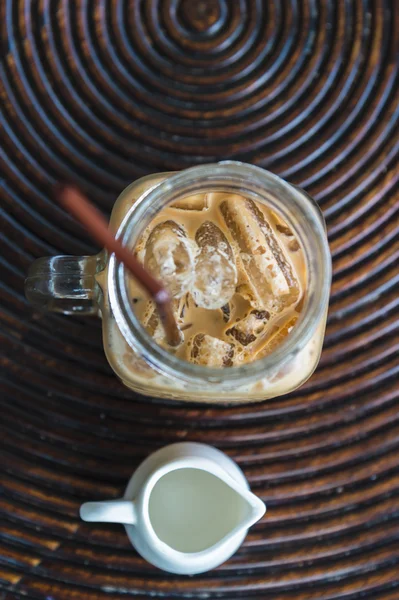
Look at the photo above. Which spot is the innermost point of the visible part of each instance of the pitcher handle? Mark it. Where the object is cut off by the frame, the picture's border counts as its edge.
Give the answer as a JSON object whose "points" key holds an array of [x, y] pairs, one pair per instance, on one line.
{"points": [[65, 284], [109, 511]]}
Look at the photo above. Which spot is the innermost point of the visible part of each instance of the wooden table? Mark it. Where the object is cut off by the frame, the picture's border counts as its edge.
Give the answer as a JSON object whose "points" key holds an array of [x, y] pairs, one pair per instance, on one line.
{"points": [[105, 91]]}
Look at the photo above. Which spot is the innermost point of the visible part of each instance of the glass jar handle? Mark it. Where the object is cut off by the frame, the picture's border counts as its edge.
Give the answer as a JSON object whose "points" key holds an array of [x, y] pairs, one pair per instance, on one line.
{"points": [[64, 284]]}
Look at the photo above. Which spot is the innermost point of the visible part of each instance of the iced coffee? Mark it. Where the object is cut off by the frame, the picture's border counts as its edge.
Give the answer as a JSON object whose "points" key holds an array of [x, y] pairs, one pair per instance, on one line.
{"points": [[236, 273], [245, 257]]}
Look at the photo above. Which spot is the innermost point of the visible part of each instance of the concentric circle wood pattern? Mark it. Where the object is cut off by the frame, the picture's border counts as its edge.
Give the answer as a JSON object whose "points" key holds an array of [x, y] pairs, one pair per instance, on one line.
{"points": [[104, 91]]}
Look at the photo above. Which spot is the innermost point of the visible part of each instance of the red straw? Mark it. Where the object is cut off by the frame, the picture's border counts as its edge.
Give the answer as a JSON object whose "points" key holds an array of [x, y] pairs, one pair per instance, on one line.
{"points": [[85, 212]]}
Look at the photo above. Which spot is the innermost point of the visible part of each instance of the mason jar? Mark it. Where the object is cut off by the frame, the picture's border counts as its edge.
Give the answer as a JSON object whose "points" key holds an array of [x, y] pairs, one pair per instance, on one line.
{"points": [[98, 285]]}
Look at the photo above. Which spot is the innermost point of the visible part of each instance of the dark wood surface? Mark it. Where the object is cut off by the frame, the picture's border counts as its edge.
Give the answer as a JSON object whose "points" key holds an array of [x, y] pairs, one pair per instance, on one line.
{"points": [[104, 91]]}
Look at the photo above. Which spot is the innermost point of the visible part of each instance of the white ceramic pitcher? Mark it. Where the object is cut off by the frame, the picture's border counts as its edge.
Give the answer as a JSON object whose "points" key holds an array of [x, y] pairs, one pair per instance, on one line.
{"points": [[186, 509]]}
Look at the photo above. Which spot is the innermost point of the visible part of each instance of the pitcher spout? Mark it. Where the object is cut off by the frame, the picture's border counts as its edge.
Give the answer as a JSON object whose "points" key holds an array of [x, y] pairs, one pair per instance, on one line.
{"points": [[256, 508], [248, 509]]}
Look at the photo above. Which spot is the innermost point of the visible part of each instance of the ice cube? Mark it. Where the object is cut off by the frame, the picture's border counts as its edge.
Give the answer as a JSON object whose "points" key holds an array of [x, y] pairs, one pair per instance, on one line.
{"points": [[194, 202], [152, 322], [268, 270], [280, 335], [284, 229], [247, 330], [170, 257], [278, 223], [210, 351], [215, 270], [246, 291], [151, 319]]}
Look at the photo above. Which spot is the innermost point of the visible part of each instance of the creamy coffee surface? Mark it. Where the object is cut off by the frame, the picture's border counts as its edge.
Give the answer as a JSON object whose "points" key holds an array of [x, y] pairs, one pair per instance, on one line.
{"points": [[236, 273]]}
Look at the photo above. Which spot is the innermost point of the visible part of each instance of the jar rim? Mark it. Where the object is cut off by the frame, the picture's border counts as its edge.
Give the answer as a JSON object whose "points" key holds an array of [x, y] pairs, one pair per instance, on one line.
{"points": [[261, 186]]}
